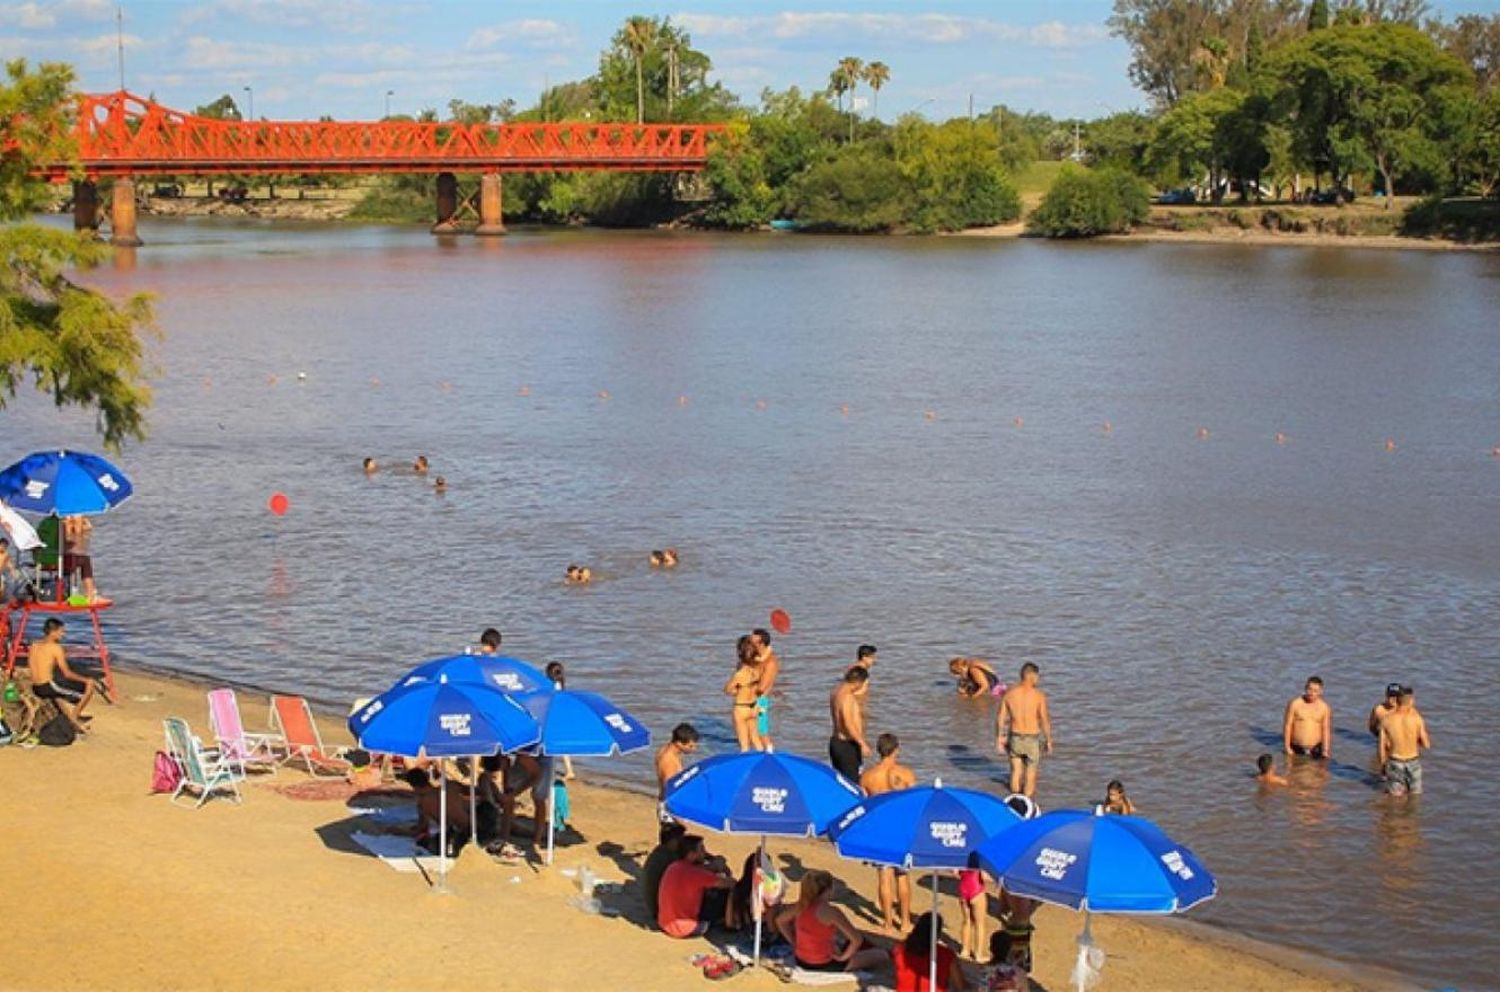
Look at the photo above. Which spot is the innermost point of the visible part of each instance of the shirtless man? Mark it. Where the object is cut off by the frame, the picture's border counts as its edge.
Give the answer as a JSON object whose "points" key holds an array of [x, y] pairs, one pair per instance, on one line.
{"points": [[865, 657], [669, 763], [1384, 709], [893, 885], [1308, 728], [1023, 729], [1403, 735], [770, 667], [847, 747], [51, 678]]}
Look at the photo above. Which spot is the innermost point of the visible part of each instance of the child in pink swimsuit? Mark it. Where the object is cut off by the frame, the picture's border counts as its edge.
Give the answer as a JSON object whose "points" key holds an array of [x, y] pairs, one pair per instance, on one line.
{"points": [[972, 899]]}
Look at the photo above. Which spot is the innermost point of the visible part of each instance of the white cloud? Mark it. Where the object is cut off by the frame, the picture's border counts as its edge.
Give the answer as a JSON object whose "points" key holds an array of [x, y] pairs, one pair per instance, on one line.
{"points": [[345, 15], [212, 54], [35, 16], [533, 32], [106, 43], [449, 68], [939, 29]]}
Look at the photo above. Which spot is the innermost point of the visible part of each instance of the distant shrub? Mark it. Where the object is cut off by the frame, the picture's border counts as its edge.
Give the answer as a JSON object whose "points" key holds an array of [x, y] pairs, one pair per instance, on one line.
{"points": [[1084, 204], [856, 190]]}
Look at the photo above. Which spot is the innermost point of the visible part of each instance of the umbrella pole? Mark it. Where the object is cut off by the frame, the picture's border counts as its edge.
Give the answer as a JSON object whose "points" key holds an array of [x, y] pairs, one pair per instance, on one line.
{"points": [[551, 816], [474, 800], [1085, 941], [932, 951], [760, 860], [442, 827]]}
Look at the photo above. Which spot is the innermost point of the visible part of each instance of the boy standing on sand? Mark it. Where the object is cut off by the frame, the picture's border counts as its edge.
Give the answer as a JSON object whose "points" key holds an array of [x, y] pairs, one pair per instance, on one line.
{"points": [[669, 763], [1308, 728], [1023, 729], [1403, 735], [893, 886]]}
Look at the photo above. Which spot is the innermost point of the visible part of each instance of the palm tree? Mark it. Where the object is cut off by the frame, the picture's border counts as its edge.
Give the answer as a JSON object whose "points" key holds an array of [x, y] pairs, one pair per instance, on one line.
{"points": [[838, 86], [640, 35], [851, 67], [877, 74]]}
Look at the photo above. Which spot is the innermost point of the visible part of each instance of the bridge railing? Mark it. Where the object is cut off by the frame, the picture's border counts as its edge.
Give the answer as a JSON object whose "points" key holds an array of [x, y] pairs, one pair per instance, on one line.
{"points": [[120, 133]]}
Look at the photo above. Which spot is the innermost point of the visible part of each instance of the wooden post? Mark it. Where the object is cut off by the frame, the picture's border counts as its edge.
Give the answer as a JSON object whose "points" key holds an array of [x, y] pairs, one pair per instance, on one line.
{"points": [[491, 221], [122, 214]]}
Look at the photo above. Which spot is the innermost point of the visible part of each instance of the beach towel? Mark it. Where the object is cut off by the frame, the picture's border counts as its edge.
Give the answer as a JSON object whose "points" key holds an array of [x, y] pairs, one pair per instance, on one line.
{"points": [[401, 853], [779, 961]]}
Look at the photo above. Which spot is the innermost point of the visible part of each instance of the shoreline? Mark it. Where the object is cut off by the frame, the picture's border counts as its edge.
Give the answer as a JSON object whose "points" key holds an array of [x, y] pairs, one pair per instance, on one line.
{"points": [[105, 778], [336, 210]]}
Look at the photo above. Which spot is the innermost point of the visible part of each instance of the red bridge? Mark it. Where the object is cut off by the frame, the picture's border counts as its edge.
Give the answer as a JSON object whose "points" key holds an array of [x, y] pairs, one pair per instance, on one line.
{"points": [[120, 136]]}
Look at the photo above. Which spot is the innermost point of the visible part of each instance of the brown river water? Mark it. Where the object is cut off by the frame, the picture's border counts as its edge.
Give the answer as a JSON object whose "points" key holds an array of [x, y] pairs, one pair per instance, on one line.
{"points": [[1175, 590]]}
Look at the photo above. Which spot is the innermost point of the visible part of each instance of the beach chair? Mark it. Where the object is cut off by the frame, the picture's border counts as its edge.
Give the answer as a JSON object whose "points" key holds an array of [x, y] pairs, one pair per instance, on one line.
{"points": [[292, 717], [203, 769], [247, 749]]}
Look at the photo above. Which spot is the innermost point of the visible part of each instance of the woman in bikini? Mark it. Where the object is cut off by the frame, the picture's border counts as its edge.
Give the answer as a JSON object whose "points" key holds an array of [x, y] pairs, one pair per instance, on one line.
{"points": [[975, 678], [744, 686]]}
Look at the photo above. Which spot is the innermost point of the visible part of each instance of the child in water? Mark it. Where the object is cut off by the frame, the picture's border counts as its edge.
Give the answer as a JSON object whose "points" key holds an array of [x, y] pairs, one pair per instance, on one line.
{"points": [[1265, 769], [1116, 803]]}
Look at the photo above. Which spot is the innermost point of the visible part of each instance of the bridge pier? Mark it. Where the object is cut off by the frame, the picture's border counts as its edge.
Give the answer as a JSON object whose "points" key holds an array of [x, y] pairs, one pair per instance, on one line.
{"points": [[122, 214], [85, 206], [447, 203], [491, 221]]}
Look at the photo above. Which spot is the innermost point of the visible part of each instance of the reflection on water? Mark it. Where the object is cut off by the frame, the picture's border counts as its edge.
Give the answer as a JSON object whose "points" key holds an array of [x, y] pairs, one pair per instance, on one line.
{"points": [[1175, 591]]}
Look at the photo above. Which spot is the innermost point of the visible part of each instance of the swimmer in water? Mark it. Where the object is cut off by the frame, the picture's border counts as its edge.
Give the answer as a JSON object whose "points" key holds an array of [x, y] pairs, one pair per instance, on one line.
{"points": [[1116, 803], [975, 678], [657, 559], [1265, 771], [669, 558], [572, 574], [420, 465], [371, 466], [440, 485], [585, 575]]}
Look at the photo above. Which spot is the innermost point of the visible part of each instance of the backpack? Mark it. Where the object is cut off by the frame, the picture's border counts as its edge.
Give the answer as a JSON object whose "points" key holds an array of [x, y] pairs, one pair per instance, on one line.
{"points": [[57, 732], [166, 774]]}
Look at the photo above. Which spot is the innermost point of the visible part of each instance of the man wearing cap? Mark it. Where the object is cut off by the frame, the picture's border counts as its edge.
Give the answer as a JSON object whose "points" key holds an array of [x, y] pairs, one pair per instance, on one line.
{"points": [[1384, 709]]}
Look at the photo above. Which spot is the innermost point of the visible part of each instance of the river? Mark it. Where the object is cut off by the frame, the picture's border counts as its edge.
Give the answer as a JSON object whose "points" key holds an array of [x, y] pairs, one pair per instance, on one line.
{"points": [[590, 396]]}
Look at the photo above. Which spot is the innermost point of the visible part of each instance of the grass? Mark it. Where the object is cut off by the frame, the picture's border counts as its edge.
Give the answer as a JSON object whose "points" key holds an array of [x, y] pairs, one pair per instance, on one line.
{"points": [[1033, 182]]}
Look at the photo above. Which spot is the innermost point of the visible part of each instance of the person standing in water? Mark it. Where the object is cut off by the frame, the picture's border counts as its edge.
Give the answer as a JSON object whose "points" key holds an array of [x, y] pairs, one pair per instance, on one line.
{"points": [[769, 666], [744, 686], [1023, 729], [1403, 735], [847, 747], [1308, 727], [893, 885]]}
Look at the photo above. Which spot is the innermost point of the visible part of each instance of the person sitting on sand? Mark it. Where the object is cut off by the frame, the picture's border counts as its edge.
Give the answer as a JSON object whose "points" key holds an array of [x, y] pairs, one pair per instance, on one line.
{"points": [[669, 764], [429, 811], [1003, 974], [692, 897], [496, 809], [667, 850], [420, 465], [1116, 802], [744, 686], [371, 466], [815, 928], [975, 678], [1265, 771], [771, 887], [52, 678], [1308, 727], [913, 962]]}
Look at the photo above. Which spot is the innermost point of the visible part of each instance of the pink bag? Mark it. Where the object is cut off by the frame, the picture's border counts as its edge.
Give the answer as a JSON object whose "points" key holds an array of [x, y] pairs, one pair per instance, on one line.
{"points": [[165, 775]]}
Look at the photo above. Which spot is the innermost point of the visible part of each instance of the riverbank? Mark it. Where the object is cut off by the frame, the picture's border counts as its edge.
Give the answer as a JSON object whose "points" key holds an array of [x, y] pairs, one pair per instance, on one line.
{"points": [[272, 894]]}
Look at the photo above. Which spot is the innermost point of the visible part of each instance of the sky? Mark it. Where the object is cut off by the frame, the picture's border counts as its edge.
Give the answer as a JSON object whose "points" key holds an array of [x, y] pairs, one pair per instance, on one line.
{"points": [[305, 58]]}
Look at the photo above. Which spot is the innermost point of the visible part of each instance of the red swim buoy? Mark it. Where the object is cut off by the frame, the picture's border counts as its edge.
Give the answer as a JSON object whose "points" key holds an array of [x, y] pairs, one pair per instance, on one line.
{"points": [[278, 503], [781, 621]]}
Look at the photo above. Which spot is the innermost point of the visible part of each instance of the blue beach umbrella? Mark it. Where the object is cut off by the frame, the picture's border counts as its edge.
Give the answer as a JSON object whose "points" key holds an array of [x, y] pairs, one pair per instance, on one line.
{"points": [[499, 671], [66, 483], [1099, 864], [435, 718], [582, 724], [760, 792], [927, 826]]}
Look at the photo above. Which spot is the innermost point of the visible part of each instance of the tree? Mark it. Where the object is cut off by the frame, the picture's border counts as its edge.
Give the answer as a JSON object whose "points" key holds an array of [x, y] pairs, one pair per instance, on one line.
{"points": [[851, 68], [857, 190], [1375, 94], [1318, 17], [877, 74], [1083, 203], [1475, 41], [640, 35], [69, 341]]}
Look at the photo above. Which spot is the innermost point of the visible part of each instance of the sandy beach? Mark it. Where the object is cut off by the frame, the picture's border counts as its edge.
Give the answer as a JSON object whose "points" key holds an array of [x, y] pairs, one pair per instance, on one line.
{"points": [[126, 891]]}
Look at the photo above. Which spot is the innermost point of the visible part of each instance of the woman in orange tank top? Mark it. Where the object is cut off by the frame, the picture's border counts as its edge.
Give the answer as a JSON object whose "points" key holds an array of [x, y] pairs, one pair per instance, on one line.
{"points": [[813, 927]]}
